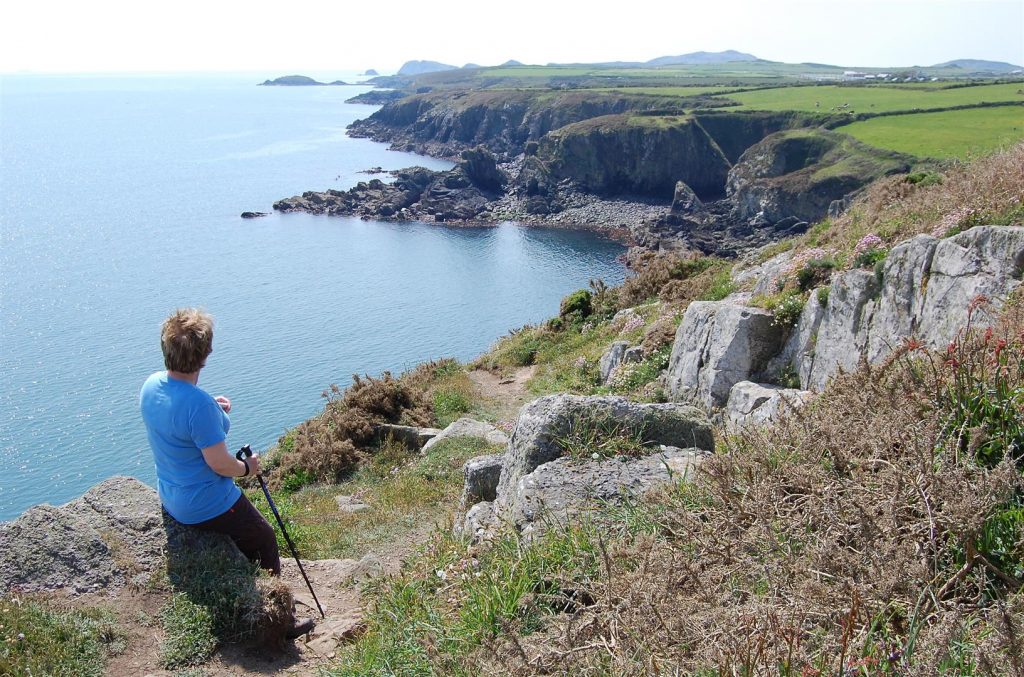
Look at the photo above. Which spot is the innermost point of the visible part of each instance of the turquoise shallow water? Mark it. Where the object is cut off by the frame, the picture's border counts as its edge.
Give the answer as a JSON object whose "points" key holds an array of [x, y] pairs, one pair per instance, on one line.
{"points": [[119, 200]]}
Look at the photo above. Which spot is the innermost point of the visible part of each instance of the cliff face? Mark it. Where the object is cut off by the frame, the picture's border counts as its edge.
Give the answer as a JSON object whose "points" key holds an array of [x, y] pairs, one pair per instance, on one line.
{"points": [[636, 154], [798, 173], [444, 123]]}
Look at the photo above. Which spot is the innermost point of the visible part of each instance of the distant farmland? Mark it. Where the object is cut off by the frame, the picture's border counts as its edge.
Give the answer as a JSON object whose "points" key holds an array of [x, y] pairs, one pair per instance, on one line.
{"points": [[950, 134]]}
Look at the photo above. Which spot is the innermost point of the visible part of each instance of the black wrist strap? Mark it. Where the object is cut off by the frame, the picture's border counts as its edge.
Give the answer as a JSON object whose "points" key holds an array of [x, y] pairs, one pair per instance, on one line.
{"points": [[246, 464]]}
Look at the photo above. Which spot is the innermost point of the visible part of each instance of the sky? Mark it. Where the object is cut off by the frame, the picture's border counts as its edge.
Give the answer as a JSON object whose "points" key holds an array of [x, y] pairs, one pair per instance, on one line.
{"points": [[276, 38]]}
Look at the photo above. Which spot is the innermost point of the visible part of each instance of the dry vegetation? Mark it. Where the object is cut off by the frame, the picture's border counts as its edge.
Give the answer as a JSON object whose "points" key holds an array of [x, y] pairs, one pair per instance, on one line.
{"points": [[880, 531]]}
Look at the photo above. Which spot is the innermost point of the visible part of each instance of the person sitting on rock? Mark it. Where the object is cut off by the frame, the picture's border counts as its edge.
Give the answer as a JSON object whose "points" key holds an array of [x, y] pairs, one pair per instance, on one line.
{"points": [[187, 430]]}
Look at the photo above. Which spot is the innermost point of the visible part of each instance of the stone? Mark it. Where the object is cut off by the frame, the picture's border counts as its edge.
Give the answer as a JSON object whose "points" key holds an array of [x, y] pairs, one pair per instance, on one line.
{"points": [[797, 356], [843, 333], [468, 427], [983, 261], [563, 489], [901, 301], [543, 422], [685, 201], [755, 403], [479, 521], [480, 479], [332, 632], [611, 359], [764, 278], [113, 535], [350, 504], [253, 215], [410, 436], [717, 345]]}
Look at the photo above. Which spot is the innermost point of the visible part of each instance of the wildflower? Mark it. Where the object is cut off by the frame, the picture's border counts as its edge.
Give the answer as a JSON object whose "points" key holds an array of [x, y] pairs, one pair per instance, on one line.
{"points": [[911, 344], [867, 243], [634, 322], [442, 574], [977, 302]]}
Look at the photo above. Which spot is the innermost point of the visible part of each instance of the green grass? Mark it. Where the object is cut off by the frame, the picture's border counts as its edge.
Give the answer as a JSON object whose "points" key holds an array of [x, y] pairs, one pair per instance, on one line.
{"points": [[190, 637], [448, 601], [405, 491], [38, 638], [950, 134], [671, 91], [873, 99]]}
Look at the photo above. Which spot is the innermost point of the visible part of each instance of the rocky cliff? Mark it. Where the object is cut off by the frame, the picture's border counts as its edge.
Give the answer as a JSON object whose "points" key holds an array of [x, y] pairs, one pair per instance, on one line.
{"points": [[926, 289]]}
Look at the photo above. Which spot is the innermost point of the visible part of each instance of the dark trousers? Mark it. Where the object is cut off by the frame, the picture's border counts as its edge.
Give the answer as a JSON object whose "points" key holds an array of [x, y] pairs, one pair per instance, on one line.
{"points": [[250, 531]]}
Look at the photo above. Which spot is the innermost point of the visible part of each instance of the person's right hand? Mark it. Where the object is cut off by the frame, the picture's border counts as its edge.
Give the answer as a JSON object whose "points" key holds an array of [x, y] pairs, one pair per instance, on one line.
{"points": [[254, 464]]}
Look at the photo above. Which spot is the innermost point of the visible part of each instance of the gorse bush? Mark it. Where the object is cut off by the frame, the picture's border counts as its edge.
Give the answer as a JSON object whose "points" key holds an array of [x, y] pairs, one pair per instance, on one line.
{"points": [[328, 447]]}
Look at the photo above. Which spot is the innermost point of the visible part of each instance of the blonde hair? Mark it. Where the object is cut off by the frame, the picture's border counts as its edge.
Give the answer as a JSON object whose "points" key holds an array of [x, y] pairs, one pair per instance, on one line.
{"points": [[186, 339]]}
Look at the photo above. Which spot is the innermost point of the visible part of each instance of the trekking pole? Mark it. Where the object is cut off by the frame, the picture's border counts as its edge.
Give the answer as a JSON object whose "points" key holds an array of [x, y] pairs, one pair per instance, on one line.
{"points": [[247, 452]]}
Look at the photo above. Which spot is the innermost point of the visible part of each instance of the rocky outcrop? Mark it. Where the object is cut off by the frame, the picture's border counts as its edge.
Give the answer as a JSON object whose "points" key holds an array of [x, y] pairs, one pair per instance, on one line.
{"points": [[717, 345], [467, 427], [463, 194], [411, 436], [799, 173], [543, 424], [924, 289], [116, 534], [754, 403], [563, 489], [536, 471]]}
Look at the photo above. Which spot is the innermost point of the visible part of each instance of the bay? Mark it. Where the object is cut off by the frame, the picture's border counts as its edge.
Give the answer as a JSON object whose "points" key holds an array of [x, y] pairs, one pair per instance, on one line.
{"points": [[120, 200]]}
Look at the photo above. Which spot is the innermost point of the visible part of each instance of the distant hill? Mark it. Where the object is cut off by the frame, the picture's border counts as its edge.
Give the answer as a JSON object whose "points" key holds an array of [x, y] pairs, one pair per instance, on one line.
{"points": [[370, 71], [695, 58], [421, 67], [298, 81], [511, 62], [979, 66]]}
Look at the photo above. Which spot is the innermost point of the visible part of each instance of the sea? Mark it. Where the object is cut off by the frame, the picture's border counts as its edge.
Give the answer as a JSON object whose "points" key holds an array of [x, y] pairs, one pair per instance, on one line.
{"points": [[120, 199]]}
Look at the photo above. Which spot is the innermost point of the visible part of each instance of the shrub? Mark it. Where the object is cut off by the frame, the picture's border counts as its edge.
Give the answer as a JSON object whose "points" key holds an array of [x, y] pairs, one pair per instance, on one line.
{"points": [[47, 638], [449, 405], [787, 311], [823, 295], [328, 447], [605, 300], [576, 307], [814, 273], [720, 287]]}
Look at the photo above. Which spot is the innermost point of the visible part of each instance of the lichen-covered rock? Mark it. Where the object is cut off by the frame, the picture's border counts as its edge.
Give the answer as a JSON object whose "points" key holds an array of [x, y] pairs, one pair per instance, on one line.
{"points": [[409, 435], [764, 278], [753, 403], [480, 479], [904, 278], [612, 358], [843, 334], [717, 345], [479, 521], [543, 423], [983, 261], [115, 534], [564, 488], [468, 427]]}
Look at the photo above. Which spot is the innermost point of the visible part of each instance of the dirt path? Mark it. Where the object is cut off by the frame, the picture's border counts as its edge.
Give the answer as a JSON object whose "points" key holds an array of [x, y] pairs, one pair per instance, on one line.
{"points": [[504, 394]]}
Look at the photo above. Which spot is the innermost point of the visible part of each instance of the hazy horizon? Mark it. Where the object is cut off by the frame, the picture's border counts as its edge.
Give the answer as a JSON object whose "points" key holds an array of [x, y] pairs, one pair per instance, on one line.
{"points": [[122, 37]]}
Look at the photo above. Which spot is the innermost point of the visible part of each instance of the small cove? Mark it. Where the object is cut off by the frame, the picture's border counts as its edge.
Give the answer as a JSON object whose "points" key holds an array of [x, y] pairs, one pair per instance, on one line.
{"points": [[119, 200]]}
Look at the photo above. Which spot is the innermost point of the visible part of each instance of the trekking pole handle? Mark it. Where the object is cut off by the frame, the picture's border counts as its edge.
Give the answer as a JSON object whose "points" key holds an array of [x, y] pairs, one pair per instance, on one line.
{"points": [[244, 451]]}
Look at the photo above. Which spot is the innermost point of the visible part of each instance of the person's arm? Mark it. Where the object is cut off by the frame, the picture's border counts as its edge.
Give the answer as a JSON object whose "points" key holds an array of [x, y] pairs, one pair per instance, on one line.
{"points": [[223, 463]]}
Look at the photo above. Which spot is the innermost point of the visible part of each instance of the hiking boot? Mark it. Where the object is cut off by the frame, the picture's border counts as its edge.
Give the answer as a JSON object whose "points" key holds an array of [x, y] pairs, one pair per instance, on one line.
{"points": [[300, 628]]}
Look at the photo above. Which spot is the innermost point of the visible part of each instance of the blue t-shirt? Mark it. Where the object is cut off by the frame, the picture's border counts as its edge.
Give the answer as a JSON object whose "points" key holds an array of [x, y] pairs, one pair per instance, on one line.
{"points": [[181, 419]]}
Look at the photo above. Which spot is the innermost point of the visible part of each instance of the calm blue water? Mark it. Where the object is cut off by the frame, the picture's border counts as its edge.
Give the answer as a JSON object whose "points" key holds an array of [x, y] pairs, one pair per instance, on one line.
{"points": [[119, 201]]}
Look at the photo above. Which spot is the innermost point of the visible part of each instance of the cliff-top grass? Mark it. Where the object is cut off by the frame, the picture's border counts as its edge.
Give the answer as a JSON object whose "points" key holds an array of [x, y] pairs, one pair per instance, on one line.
{"points": [[960, 134], [825, 98]]}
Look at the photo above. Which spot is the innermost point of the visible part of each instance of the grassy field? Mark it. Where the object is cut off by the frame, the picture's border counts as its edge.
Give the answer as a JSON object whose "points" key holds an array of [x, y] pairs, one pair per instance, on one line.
{"points": [[951, 134], [673, 91], [874, 99]]}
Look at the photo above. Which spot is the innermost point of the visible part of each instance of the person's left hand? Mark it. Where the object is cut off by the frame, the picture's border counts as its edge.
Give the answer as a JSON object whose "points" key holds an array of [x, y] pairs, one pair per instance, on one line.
{"points": [[224, 403]]}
